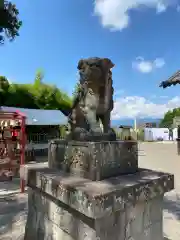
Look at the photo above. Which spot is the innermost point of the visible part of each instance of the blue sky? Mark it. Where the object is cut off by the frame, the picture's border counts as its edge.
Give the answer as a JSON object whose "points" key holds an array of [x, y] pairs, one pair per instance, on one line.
{"points": [[140, 36]]}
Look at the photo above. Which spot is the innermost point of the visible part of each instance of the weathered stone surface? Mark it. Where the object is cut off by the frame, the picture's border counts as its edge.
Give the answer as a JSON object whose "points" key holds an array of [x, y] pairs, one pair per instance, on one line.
{"points": [[94, 160], [67, 207], [97, 199], [24, 169], [52, 217], [93, 101], [56, 151]]}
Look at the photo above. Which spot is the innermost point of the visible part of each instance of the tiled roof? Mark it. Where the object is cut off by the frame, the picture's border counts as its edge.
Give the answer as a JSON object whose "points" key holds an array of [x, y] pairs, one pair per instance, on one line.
{"points": [[173, 80], [39, 116]]}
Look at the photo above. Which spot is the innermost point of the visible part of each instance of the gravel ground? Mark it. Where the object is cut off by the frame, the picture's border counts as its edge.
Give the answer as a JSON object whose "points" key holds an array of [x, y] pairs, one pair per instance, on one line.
{"points": [[158, 156]]}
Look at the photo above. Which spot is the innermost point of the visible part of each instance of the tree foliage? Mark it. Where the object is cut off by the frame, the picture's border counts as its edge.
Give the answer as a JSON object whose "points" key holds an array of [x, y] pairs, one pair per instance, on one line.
{"points": [[4, 87], [37, 95], [76, 90], [167, 121], [4, 84], [9, 21]]}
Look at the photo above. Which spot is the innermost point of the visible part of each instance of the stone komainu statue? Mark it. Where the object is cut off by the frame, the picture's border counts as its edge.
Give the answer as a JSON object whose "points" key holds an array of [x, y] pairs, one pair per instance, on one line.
{"points": [[94, 100]]}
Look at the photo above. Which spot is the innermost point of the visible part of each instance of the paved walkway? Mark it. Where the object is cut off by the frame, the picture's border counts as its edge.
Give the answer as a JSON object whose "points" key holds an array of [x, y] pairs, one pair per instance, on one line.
{"points": [[13, 211], [163, 157]]}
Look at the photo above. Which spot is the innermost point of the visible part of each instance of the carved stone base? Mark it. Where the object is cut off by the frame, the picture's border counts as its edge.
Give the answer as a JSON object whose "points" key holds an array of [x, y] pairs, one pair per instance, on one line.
{"points": [[62, 206], [94, 160], [85, 136]]}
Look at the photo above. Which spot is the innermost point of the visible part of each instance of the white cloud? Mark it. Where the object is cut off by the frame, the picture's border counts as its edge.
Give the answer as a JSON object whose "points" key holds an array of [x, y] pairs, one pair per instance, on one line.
{"points": [[136, 106], [178, 8], [159, 62], [161, 7], [147, 66], [114, 14]]}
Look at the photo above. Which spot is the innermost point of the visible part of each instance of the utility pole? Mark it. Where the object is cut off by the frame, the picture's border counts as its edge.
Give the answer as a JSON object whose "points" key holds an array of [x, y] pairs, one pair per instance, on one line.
{"points": [[135, 128], [135, 124]]}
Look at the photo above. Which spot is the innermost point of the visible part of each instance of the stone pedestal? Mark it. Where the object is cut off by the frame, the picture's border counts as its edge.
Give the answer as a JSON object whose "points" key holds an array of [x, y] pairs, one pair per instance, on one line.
{"points": [[66, 207], [94, 160], [95, 191]]}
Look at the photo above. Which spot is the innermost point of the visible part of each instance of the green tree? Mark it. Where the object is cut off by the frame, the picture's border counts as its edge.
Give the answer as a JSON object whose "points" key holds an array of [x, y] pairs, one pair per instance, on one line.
{"points": [[44, 97], [38, 79], [167, 121], [76, 90], [36, 95], [20, 95], [9, 21], [4, 86], [49, 96]]}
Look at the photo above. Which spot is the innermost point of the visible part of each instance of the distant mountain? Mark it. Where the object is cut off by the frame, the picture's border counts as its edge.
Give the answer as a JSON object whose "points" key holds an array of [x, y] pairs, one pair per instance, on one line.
{"points": [[129, 121]]}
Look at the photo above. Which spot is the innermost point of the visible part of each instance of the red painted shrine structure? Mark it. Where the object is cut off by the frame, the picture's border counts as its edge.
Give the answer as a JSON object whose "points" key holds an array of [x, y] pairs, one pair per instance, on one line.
{"points": [[12, 145]]}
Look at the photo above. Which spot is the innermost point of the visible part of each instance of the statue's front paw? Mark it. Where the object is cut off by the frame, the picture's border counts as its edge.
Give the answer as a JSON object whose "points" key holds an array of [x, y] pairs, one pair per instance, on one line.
{"points": [[79, 134]]}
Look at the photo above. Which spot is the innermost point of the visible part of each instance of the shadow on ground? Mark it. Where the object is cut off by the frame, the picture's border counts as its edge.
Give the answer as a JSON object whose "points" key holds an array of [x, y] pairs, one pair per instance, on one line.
{"points": [[172, 206], [13, 211], [7, 187]]}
